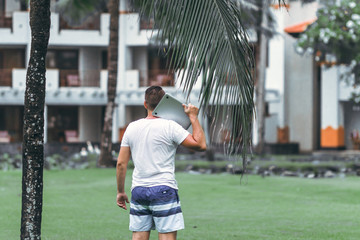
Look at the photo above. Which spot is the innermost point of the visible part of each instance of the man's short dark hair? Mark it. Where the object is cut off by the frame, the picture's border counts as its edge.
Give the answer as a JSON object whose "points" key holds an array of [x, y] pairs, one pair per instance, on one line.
{"points": [[153, 96]]}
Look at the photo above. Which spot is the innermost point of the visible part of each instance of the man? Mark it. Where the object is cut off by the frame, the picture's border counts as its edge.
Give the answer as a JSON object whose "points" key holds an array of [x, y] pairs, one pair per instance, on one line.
{"points": [[152, 143]]}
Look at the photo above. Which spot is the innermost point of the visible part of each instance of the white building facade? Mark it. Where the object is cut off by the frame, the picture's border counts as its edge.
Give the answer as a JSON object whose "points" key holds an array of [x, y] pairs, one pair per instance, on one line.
{"points": [[307, 103], [76, 85]]}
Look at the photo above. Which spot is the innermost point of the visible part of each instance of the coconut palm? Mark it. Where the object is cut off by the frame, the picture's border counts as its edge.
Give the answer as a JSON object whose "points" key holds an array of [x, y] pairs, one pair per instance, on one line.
{"points": [[106, 158], [207, 36], [33, 141]]}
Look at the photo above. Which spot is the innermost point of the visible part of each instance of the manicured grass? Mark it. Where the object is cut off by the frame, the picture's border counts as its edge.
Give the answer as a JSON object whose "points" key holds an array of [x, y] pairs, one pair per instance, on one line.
{"points": [[80, 204]]}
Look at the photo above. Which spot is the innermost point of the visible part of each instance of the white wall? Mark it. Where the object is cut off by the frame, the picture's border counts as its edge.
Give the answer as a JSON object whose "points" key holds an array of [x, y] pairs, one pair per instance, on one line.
{"points": [[90, 123], [299, 82], [89, 65], [271, 124], [11, 6]]}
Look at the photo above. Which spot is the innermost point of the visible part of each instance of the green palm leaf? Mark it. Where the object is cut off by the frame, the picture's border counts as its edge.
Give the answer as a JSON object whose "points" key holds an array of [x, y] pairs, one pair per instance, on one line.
{"points": [[207, 36]]}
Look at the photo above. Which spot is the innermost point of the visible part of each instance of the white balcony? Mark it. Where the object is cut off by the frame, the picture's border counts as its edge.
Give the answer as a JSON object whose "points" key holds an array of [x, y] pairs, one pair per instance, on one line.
{"points": [[62, 87], [135, 36], [19, 33], [79, 37], [132, 80], [19, 79]]}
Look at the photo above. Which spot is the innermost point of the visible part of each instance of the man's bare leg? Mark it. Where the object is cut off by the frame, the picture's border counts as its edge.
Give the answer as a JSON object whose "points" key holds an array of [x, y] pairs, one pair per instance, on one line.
{"points": [[168, 236], [141, 235]]}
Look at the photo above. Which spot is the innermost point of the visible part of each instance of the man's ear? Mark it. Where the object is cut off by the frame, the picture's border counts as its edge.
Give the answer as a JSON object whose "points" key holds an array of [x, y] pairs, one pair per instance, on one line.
{"points": [[145, 105]]}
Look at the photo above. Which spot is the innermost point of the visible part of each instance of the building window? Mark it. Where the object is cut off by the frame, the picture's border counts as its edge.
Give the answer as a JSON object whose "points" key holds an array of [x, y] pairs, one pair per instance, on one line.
{"points": [[10, 59], [158, 62], [5, 17], [62, 124], [11, 123], [67, 61]]}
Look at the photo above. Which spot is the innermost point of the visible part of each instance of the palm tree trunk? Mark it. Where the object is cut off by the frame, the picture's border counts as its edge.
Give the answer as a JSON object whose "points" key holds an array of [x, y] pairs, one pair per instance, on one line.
{"points": [[260, 88], [33, 143], [106, 158]]}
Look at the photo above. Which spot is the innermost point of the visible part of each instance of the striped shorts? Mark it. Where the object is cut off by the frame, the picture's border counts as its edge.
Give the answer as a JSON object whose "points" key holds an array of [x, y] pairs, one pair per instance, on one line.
{"points": [[155, 208]]}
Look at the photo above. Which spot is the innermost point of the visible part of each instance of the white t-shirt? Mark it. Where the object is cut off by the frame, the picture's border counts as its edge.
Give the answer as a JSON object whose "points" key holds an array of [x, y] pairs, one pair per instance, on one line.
{"points": [[153, 144]]}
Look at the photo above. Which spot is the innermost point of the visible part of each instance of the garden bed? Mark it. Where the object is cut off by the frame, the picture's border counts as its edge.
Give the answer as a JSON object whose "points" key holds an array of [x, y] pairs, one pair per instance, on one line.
{"points": [[271, 165]]}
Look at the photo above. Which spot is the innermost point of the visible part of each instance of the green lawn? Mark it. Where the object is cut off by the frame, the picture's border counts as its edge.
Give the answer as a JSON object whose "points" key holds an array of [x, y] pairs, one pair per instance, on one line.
{"points": [[80, 204]]}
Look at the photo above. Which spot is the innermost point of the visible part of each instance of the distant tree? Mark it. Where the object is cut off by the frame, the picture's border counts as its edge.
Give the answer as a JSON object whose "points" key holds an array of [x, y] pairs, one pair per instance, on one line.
{"points": [[33, 143], [106, 158], [258, 17], [262, 42], [335, 33]]}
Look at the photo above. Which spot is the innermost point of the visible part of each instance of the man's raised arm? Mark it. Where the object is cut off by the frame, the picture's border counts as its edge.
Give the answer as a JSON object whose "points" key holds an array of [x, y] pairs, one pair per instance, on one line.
{"points": [[196, 140]]}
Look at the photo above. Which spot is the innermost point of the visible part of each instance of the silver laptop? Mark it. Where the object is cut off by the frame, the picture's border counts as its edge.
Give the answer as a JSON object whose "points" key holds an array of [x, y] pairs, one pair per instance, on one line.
{"points": [[172, 109]]}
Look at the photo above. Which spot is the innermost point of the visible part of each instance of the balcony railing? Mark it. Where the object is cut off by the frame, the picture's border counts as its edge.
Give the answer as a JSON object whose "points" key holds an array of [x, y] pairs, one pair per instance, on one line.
{"points": [[76, 78], [5, 77], [93, 23], [146, 24], [5, 22], [16, 78], [156, 77]]}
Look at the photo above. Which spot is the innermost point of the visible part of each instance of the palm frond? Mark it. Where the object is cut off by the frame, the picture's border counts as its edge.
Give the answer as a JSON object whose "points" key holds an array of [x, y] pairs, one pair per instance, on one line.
{"points": [[207, 36]]}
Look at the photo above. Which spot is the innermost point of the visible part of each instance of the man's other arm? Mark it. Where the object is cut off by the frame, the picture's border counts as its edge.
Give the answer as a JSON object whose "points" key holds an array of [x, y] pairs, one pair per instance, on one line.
{"points": [[121, 166], [196, 140]]}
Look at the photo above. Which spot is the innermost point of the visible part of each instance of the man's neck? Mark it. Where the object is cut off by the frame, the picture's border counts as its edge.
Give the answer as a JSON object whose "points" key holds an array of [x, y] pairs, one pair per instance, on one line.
{"points": [[150, 116]]}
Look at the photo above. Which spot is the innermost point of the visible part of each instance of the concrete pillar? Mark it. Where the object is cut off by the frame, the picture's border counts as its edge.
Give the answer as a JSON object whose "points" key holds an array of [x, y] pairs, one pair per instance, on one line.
{"points": [[122, 52], [255, 138], [299, 80], [332, 121], [203, 119], [89, 66], [119, 122], [90, 123], [115, 126], [275, 80]]}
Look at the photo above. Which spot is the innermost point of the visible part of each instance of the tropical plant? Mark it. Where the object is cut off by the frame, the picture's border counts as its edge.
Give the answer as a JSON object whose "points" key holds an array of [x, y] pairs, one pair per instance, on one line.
{"points": [[336, 32], [106, 157], [208, 37], [33, 142]]}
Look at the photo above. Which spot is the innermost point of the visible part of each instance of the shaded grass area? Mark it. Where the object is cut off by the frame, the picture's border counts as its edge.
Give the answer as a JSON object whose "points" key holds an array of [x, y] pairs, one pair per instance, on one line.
{"points": [[80, 204]]}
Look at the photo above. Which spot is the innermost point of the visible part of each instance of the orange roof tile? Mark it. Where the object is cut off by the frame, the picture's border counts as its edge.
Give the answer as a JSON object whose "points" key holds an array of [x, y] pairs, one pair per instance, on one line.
{"points": [[300, 27]]}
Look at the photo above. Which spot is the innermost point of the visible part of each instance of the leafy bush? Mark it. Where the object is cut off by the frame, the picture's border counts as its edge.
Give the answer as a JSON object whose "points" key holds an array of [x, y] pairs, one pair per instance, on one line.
{"points": [[8, 162], [336, 32], [53, 162]]}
